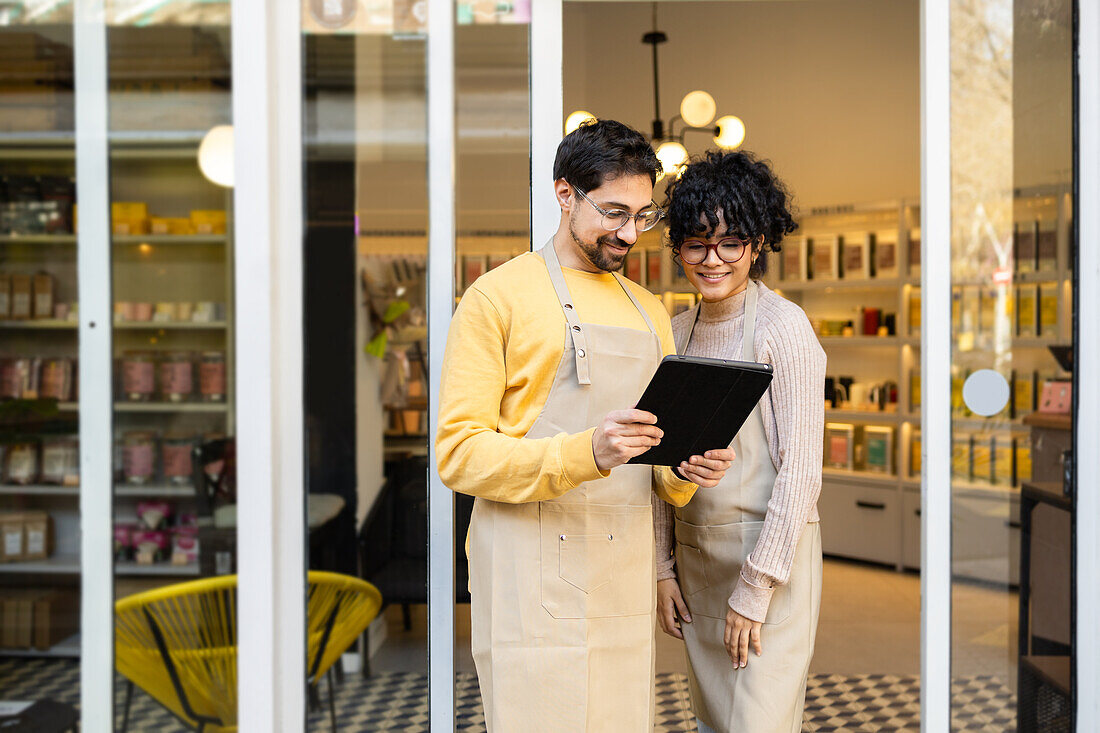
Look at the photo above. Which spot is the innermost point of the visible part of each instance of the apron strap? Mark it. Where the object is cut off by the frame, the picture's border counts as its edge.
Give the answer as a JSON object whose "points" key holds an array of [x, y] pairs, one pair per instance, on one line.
{"points": [[748, 346], [573, 323], [645, 316]]}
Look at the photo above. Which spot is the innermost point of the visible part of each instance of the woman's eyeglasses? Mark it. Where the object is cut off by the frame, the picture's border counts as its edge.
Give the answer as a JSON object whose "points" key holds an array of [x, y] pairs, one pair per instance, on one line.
{"points": [[728, 249]]}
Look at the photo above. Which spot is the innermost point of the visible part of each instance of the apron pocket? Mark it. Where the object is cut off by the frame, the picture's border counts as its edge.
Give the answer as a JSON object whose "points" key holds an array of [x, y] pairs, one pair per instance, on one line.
{"points": [[596, 561], [584, 560], [731, 545], [690, 572]]}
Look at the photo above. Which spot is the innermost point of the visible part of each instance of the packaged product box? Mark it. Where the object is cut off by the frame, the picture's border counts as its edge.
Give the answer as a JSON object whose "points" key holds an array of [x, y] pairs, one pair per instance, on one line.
{"points": [[1023, 459], [56, 617], [11, 536], [1048, 309], [208, 221], [129, 217], [18, 619], [914, 454], [5, 296], [37, 536], [914, 391], [884, 245], [43, 295], [1023, 392], [21, 297], [914, 252], [825, 257], [795, 259], [857, 264], [170, 225], [879, 442], [914, 312], [1027, 310], [840, 442]]}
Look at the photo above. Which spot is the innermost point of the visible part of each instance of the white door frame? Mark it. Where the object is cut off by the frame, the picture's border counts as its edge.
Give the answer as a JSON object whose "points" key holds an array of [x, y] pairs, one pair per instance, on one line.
{"points": [[441, 276], [97, 582], [1087, 292], [936, 332], [267, 248]]}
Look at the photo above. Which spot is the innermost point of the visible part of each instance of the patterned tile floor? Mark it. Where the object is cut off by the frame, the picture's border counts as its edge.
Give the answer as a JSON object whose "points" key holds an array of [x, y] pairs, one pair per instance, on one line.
{"points": [[398, 702]]}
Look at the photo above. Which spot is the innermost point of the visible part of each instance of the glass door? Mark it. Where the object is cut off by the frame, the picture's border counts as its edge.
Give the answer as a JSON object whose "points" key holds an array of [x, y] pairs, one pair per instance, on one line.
{"points": [[1013, 254], [40, 477]]}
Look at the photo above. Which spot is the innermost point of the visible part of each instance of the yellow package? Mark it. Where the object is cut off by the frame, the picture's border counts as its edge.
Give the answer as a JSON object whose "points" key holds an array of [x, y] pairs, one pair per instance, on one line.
{"points": [[170, 225], [129, 217], [208, 221]]}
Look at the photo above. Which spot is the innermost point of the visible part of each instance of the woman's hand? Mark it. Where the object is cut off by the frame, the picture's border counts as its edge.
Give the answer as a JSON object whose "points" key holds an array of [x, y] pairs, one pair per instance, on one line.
{"points": [[739, 632], [670, 606], [708, 469]]}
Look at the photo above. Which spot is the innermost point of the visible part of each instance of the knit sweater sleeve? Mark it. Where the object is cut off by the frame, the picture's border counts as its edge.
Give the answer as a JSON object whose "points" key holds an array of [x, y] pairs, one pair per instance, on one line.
{"points": [[664, 528], [798, 360]]}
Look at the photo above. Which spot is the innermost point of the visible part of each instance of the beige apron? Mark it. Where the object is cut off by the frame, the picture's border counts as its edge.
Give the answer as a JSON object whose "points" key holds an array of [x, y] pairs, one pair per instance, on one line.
{"points": [[563, 591], [715, 533]]}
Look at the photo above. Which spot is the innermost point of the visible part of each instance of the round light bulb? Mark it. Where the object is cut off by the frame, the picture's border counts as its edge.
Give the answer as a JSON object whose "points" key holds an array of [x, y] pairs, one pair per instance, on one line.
{"points": [[698, 108], [731, 132], [576, 119], [216, 155], [673, 156]]}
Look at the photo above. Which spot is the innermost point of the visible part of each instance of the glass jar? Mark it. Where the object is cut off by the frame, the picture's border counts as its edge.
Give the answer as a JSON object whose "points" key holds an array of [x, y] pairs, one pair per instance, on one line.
{"points": [[22, 460], [212, 376], [61, 461], [138, 376], [175, 453], [11, 379], [177, 382], [57, 380], [138, 461]]}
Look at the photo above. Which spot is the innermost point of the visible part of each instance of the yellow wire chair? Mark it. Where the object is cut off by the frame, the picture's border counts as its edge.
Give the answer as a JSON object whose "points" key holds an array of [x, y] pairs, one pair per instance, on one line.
{"points": [[179, 643]]}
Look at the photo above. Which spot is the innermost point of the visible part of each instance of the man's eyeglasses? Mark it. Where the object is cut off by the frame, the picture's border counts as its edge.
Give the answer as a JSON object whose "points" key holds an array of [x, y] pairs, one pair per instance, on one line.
{"points": [[728, 249], [615, 219]]}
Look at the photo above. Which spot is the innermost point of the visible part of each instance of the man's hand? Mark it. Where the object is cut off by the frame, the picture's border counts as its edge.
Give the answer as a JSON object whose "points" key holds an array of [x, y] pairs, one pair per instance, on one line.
{"points": [[622, 435], [670, 606], [708, 469], [739, 632]]}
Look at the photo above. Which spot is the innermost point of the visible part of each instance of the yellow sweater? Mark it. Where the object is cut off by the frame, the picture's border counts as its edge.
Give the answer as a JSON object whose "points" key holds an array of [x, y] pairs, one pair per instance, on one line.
{"points": [[503, 349]]}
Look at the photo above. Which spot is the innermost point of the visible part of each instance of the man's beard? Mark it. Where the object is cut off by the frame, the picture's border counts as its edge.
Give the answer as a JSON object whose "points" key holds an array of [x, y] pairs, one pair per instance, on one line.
{"points": [[599, 255]]}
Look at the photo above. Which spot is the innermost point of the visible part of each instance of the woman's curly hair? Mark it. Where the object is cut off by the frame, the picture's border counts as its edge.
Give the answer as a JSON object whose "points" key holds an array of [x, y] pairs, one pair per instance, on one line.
{"points": [[753, 202]]}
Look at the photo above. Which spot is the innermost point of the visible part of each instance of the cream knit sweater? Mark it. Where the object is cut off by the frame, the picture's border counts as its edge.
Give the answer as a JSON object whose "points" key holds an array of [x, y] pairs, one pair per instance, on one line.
{"points": [[794, 420]]}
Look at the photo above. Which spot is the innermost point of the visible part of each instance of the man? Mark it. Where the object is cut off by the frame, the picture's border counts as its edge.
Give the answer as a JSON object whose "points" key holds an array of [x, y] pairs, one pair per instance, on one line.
{"points": [[545, 357]]}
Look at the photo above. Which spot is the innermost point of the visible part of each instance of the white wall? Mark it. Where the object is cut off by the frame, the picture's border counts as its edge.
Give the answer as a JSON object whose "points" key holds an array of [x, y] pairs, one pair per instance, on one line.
{"points": [[828, 89]]}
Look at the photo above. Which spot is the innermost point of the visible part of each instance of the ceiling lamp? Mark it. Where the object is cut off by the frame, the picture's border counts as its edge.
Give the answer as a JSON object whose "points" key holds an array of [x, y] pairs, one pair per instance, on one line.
{"points": [[576, 119], [697, 112], [216, 155], [673, 156], [730, 132]]}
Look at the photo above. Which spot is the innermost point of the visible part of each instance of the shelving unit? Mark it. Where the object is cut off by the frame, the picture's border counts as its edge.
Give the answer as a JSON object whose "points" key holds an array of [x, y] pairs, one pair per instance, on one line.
{"points": [[159, 168]]}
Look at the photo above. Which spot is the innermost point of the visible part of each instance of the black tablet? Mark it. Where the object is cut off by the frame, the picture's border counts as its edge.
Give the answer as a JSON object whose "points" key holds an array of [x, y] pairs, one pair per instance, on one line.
{"points": [[700, 404]]}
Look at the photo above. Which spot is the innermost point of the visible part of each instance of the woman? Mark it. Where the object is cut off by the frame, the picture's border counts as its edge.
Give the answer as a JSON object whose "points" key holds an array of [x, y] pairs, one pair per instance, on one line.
{"points": [[746, 569]]}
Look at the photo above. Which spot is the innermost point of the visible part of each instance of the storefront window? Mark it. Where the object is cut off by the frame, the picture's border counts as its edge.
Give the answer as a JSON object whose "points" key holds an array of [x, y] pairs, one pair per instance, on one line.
{"points": [[40, 592], [174, 497], [1012, 261]]}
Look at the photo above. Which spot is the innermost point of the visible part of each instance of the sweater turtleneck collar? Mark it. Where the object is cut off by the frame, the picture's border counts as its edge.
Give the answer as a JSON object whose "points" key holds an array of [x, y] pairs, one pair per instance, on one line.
{"points": [[724, 310]]}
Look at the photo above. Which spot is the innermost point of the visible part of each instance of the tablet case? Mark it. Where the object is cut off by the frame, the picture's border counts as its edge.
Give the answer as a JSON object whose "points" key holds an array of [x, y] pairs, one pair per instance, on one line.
{"points": [[700, 404]]}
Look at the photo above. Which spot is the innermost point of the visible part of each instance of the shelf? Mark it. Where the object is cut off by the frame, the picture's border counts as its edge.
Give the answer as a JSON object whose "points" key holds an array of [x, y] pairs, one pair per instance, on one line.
{"points": [[169, 325], [39, 490], [982, 487], [157, 491], [862, 416], [130, 568], [44, 324], [169, 239], [169, 407], [863, 477], [987, 423], [56, 565], [67, 648], [147, 145], [892, 283], [70, 565], [63, 239], [859, 341]]}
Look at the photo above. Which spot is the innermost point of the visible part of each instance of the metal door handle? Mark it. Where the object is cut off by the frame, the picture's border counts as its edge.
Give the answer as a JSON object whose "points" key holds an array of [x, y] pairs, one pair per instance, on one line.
{"points": [[1011, 524], [869, 505]]}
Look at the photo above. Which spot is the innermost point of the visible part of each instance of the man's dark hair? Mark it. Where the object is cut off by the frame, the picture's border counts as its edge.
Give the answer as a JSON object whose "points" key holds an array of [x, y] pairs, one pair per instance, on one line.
{"points": [[602, 150], [752, 199]]}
